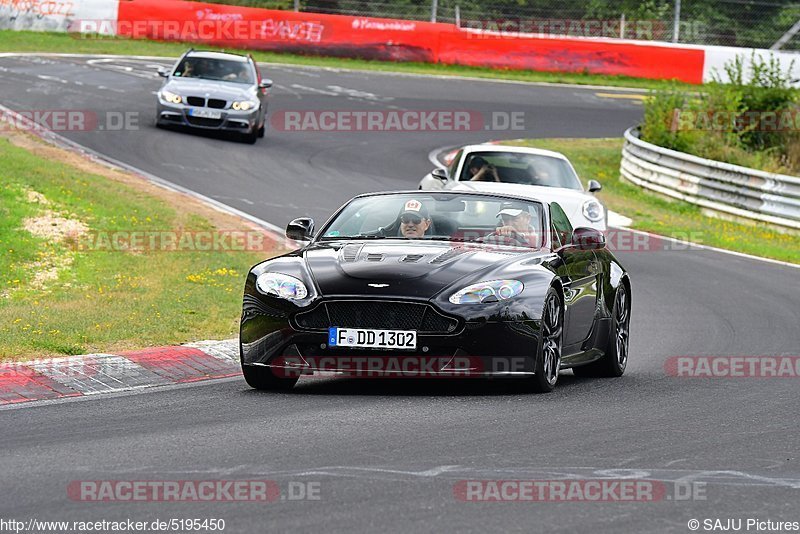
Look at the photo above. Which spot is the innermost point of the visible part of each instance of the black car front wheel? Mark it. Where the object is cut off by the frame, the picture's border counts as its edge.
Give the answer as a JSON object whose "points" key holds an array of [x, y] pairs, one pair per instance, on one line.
{"points": [[264, 378], [615, 359], [548, 358]]}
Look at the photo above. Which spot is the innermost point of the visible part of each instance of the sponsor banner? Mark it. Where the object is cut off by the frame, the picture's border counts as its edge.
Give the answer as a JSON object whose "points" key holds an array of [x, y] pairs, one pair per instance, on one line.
{"points": [[396, 40], [263, 29]]}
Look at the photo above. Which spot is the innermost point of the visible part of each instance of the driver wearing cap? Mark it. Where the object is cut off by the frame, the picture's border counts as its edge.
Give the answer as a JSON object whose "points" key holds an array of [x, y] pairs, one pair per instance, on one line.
{"points": [[515, 222], [414, 219]]}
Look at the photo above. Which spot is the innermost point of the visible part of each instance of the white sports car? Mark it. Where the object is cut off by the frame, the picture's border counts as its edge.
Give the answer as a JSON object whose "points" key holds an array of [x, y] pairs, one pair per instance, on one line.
{"points": [[525, 172]]}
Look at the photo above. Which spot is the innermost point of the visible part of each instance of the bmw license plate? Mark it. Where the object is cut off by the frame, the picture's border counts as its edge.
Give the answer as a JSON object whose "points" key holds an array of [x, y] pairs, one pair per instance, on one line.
{"points": [[205, 113], [372, 339]]}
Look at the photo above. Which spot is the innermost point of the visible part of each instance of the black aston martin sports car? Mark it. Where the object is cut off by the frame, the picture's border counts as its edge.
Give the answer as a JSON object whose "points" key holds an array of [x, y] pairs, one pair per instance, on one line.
{"points": [[438, 284]]}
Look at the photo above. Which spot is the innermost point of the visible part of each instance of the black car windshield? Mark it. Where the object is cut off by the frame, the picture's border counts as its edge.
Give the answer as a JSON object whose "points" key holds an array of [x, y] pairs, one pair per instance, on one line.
{"points": [[224, 70], [466, 218], [519, 168]]}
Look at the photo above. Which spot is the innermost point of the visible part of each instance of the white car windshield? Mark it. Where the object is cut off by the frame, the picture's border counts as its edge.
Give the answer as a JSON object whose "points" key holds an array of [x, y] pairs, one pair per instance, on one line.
{"points": [[440, 216], [519, 168]]}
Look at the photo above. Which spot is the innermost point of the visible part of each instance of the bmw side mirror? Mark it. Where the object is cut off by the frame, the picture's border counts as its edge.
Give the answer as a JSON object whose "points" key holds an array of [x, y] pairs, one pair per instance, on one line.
{"points": [[301, 229], [265, 84], [594, 186], [588, 239], [439, 173], [163, 72]]}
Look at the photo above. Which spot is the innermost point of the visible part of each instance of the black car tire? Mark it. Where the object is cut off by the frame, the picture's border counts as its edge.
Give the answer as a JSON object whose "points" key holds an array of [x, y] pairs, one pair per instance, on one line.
{"points": [[548, 354], [262, 131], [251, 137], [264, 379], [615, 359]]}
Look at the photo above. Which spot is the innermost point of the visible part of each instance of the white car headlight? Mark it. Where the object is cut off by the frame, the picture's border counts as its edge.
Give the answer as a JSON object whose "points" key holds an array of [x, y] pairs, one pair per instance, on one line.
{"points": [[243, 105], [281, 286], [490, 291], [593, 210], [172, 98]]}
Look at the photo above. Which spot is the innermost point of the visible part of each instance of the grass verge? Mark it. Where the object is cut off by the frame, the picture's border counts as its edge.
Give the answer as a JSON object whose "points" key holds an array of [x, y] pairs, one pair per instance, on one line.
{"points": [[600, 159], [65, 289], [25, 41]]}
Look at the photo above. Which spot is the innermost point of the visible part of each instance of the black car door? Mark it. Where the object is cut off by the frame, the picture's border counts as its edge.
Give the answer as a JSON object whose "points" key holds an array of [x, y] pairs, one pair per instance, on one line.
{"points": [[578, 272]]}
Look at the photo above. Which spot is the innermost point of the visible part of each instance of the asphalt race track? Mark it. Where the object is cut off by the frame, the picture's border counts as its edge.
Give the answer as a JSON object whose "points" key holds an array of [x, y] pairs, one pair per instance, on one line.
{"points": [[387, 454]]}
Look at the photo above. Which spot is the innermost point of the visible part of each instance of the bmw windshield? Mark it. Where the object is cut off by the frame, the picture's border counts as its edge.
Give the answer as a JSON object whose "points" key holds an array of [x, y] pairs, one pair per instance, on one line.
{"points": [[223, 70]]}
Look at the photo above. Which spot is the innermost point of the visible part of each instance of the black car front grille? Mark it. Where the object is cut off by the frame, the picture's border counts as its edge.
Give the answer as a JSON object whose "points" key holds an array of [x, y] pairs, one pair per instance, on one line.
{"points": [[196, 101], [377, 314], [216, 103], [202, 121]]}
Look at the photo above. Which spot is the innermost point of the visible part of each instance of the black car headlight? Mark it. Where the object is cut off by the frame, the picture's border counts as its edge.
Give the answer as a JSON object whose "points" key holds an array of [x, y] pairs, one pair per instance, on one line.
{"points": [[489, 291], [282, 286]]}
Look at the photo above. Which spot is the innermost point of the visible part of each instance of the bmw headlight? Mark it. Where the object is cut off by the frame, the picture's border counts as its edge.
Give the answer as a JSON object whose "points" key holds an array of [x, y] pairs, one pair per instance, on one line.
{"points": [[593, 210], [490, 291], [281, 286], [243, 105], [170, 97]]}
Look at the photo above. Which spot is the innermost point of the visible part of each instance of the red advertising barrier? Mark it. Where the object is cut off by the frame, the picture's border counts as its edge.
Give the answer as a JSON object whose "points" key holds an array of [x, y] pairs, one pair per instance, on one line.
{"points": [[398, 40], [286, 31], [574, 55]]}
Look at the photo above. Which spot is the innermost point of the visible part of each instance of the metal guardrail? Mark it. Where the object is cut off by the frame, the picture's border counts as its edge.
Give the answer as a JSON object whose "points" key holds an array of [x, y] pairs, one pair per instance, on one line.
{"points": [[721, 187]]}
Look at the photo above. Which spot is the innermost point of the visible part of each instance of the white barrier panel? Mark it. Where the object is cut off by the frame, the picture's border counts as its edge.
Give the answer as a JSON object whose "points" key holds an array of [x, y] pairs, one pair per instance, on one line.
{"points": [[54, 15], [717, 56]]}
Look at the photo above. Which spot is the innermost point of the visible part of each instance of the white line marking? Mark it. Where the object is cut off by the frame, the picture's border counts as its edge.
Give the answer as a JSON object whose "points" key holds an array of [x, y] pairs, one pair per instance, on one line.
{"points": [[715, 249]]}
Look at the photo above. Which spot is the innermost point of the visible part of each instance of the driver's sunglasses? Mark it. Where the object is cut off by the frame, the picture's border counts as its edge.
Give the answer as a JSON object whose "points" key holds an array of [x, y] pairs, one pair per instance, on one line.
{"points": [[410, 219]]}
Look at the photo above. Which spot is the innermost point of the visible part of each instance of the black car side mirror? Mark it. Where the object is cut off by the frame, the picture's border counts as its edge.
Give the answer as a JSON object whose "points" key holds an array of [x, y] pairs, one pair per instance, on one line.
{"points": [[439, 173], [163, 72], [301, 229], [594, 186], [265, 84], [588, 239]]}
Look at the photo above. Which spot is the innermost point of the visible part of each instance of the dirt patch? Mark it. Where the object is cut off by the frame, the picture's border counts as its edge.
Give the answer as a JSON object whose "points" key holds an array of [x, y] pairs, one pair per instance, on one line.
{"points": [[54, 227]]}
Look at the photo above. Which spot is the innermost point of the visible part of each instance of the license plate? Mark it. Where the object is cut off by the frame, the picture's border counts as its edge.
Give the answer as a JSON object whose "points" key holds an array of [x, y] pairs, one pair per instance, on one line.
{"points": [[205, 113], [372, 339]]}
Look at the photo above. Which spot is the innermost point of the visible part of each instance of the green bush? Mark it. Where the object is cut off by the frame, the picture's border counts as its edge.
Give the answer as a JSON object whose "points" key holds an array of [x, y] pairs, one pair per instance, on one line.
{"points": [[725, 121]]}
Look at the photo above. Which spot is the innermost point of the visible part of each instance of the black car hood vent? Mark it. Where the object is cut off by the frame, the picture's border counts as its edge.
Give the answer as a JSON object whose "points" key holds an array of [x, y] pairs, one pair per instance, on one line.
{"points": [[411, 258], [449, 255], [350, 252], [374, 257]]}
